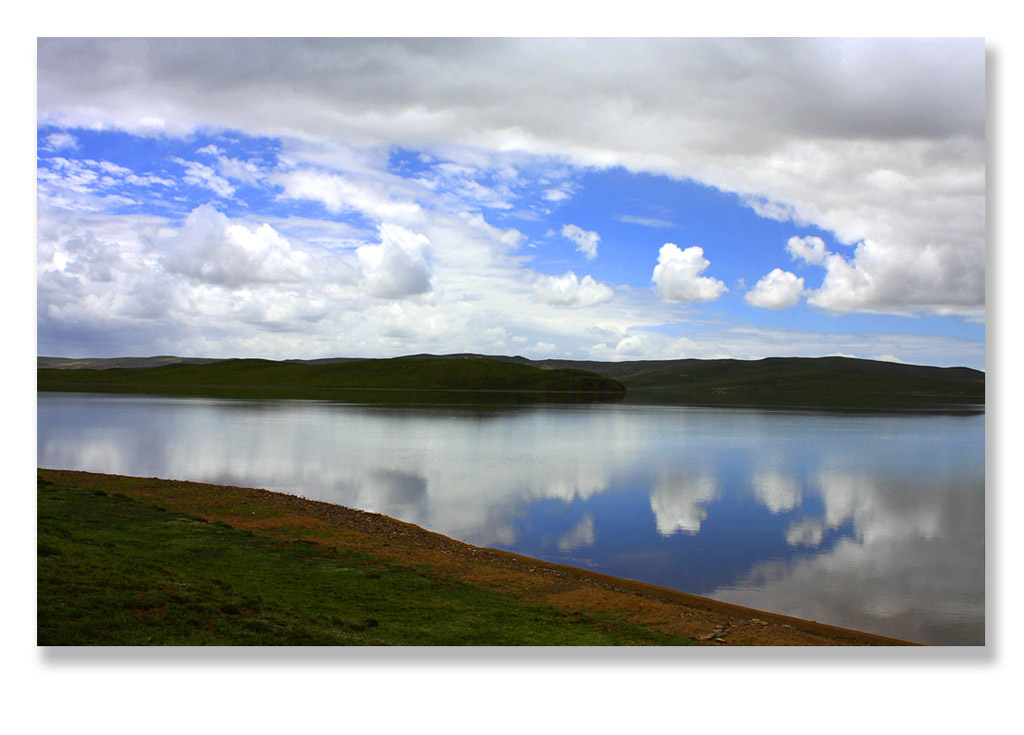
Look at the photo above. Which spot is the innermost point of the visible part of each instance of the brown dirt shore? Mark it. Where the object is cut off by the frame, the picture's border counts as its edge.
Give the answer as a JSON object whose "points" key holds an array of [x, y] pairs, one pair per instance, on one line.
{"points": [[656, 608]]}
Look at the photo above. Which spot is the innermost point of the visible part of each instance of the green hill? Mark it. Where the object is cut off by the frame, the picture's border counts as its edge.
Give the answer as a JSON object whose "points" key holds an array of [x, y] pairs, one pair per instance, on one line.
{"points": [[824, 382], [402, 379], [791, 381]]}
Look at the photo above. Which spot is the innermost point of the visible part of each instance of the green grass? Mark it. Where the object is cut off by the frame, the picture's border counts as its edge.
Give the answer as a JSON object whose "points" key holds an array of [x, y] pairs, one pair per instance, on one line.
{"points": [[406, 380], [117, 571]]}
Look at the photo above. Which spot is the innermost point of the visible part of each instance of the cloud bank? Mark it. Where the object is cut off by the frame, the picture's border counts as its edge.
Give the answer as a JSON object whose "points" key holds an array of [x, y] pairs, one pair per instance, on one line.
{"points": [[879, 143]]}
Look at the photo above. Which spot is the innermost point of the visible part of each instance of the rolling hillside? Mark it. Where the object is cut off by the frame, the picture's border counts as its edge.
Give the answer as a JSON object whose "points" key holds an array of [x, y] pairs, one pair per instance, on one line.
{"points": [[336, 380], [796, 381], [827, 382]]}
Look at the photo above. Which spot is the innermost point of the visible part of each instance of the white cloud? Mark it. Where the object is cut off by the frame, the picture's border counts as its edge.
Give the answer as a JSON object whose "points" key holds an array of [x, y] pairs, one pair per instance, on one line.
{"points": [[338, 193], [397, 267], [556, 195], [887, 278], [460, 183], [808, 249], [645, 345], [104, 289], [89, 185], [879, 140], [585, 240], [893, 279], [245, 171], [646, 221], [61, 140], [199, 174], [540, 350], [677, 275], [887, 156], [569, 290], [778, 290], [210, 249]]}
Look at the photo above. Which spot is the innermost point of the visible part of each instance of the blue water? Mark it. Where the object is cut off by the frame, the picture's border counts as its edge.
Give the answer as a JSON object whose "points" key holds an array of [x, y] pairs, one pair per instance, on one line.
{"points": [[874, 522]]}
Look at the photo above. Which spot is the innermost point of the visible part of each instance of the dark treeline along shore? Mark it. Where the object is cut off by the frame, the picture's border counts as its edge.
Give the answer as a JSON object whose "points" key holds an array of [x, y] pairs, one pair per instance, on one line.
{"points": [[823, 382]]}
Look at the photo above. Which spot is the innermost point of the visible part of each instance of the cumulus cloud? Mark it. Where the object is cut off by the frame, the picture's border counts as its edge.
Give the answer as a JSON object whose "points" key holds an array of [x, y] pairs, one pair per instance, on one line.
{"points": [[210, 249], [886, 278], [569, 290], [677, 276], [585, 240], [883, 277], [808, 249], [778, 290], [397, 267]]}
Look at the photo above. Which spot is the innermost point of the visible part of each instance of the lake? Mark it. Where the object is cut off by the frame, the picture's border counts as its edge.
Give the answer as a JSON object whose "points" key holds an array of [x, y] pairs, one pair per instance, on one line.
{"points": [[867, 521]]}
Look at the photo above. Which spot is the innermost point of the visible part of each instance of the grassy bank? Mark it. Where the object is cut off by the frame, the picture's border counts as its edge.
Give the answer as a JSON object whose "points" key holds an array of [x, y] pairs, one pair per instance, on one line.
{"points": [[127, 560], [113, 570]]}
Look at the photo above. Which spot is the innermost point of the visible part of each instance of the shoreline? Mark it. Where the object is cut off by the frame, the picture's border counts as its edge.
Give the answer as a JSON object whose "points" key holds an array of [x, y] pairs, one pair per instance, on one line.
{"points": [[570, 588], [436, 399]]}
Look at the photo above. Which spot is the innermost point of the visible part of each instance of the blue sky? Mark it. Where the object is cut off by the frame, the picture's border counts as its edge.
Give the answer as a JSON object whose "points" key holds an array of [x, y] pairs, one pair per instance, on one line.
{"points": [[592, 215]]}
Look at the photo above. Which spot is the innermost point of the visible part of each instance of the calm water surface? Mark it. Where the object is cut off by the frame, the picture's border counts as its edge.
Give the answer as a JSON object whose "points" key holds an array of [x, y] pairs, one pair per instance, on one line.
{"points": [[864, 521]]}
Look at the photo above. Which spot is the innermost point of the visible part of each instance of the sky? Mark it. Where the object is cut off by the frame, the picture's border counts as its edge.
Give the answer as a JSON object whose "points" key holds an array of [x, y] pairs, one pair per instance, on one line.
{"points": [[586, 199]]}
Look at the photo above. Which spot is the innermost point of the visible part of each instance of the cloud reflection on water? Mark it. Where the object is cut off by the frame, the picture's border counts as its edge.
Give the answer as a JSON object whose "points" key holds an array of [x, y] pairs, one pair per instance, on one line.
{"points": [[915, 549], [679, 503], [776, 490], [870, 522]]}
